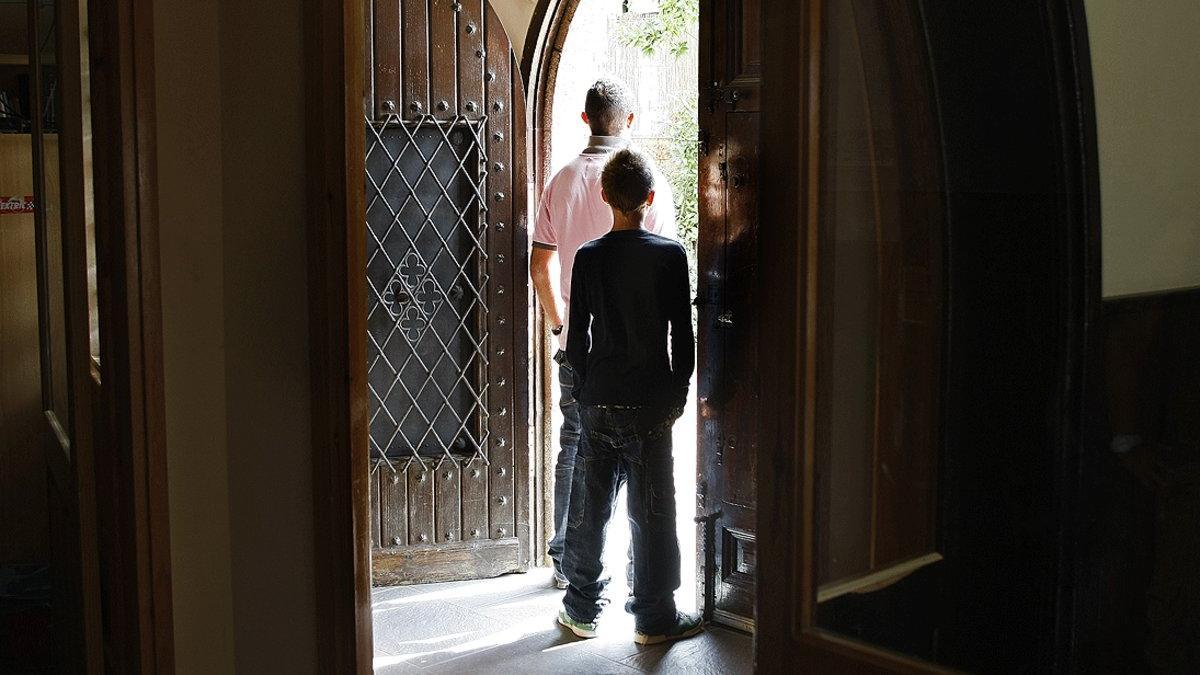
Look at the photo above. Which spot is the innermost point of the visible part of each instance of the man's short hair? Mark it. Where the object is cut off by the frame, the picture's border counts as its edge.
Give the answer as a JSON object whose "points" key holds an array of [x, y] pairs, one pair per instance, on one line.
{"points": [[627, 180], [608, 105]]}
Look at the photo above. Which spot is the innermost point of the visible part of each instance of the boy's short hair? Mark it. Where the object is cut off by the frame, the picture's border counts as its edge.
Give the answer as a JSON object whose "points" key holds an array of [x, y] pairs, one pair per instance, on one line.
{"points": [[608, 105], [627, 180]]}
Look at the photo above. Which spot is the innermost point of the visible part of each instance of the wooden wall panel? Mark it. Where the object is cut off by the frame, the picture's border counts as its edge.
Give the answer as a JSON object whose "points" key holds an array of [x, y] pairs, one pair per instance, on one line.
{"points": [[471, 58], [443, 56], [414, 23], [385, 66], [376, 509], [475, 501], [447, 490], [393, 507], [420, 505]]}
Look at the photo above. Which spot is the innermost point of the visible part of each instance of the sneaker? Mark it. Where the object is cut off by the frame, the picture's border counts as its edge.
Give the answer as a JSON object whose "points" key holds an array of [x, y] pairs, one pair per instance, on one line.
{"points": [[685, 626], [579, 628]]}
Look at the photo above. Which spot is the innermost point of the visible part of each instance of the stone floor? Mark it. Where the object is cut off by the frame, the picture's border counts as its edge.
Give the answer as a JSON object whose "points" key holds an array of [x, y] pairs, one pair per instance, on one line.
{"points": [[507, 625]]}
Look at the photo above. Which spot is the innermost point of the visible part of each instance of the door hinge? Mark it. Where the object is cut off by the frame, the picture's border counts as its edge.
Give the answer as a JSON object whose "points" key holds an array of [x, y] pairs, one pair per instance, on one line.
{"points": [[723, 168], [702, 141]]}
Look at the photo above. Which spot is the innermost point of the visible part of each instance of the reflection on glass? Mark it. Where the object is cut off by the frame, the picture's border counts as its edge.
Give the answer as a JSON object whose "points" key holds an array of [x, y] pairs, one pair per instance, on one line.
{"points": [[879, 351]]}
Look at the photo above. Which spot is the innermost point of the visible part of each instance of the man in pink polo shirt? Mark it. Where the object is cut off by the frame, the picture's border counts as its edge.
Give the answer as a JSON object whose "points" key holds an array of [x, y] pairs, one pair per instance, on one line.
{"points": [[571, 214]]}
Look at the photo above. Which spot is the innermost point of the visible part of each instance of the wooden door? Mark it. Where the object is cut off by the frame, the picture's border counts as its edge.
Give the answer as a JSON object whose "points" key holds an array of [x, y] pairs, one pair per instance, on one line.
{"points": [[57, 58], [924, 247], [728, 320], [447, 294]]}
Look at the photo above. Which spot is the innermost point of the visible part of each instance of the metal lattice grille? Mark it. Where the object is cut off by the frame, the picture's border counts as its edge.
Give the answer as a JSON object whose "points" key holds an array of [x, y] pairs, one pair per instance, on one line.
{"points": [[427, 290]]}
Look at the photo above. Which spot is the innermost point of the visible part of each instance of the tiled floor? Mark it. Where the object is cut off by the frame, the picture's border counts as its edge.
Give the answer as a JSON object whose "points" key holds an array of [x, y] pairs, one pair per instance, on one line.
{"points": [[507, 625]]}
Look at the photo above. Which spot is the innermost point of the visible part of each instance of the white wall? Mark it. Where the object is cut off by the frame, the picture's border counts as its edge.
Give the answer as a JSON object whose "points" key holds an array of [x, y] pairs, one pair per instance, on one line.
{"points": [[230, 96], [266, 328], [1146, 69], [191, 221]]}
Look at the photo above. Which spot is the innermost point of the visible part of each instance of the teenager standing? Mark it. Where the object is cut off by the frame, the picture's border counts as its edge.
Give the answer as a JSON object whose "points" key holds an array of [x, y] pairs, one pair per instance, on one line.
{"points": [[632, 349]]}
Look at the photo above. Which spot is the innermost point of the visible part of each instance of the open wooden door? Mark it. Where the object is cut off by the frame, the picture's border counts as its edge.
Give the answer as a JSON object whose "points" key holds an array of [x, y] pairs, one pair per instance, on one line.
{"points": [[728, 316], [447, 294], [58, 58], [921, 231]]}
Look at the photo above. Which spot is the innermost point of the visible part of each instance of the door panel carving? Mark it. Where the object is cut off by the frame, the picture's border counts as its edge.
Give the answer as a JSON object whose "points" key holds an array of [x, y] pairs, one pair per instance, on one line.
{"points": [[447, 294]]}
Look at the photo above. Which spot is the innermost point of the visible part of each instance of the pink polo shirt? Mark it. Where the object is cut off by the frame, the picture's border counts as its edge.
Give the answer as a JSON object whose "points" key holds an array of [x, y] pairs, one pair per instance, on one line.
{"points": [[572, 213]]}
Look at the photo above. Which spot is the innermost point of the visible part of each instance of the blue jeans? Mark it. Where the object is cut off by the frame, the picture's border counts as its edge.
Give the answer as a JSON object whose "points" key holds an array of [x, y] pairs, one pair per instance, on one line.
{"points": [[564, 466], [619, 445]]}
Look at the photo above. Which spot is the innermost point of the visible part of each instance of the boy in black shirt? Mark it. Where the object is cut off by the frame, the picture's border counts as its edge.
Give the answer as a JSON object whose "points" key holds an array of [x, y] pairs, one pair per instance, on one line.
{"points": [[629, 293]]}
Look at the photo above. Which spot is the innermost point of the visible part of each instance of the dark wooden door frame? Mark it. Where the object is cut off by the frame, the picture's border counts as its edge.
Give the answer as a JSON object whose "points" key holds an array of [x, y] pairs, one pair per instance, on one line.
{"points": [[131, 466], [336, 53], [787, 590]]}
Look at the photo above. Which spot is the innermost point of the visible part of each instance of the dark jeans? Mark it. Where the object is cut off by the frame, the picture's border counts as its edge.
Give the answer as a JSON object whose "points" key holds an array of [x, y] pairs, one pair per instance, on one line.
{"points": [[620, 444], [564, 466]]}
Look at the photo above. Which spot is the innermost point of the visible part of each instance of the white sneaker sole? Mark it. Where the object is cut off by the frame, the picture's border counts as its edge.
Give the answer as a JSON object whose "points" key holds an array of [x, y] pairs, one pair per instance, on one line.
{"points": [[643, 639], [579, 632]]}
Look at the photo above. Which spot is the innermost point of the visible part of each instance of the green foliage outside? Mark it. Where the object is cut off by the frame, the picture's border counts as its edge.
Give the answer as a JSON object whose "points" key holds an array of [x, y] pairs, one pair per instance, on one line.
{"points": [[679, 165], [672, 29]]}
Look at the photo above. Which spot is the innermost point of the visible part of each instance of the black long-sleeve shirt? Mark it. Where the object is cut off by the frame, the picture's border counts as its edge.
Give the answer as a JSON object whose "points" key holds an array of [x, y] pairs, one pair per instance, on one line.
{"points": [[629, 297]]}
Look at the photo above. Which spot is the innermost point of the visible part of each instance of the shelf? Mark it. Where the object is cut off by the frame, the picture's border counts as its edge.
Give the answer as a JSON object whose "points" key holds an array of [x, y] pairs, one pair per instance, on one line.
{"points": [[14, 60]]}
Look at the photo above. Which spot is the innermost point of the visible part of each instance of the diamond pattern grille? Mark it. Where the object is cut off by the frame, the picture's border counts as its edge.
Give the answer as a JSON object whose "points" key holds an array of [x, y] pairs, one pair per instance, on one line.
{"points": [[427, 283]]}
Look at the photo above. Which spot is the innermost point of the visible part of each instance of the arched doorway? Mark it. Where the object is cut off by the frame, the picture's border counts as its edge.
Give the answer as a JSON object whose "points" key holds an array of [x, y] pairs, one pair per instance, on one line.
{"points": [[766, 301], [722, 240]]}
